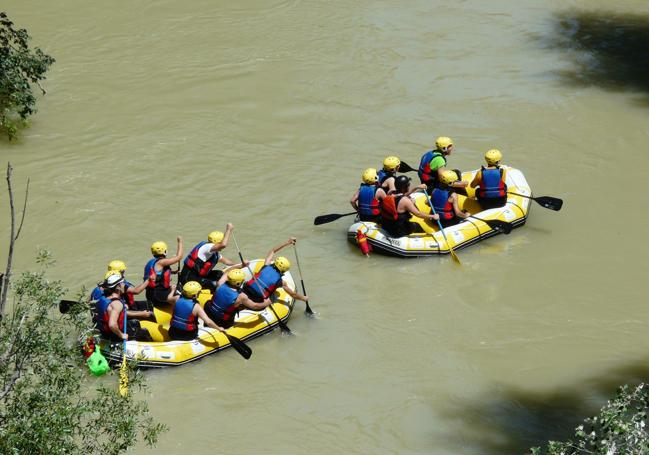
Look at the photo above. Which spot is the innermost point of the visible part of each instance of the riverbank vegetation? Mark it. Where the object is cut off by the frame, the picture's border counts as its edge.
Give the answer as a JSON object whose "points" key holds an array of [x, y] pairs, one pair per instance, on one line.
{"points": [[20, 68], [49, 403]]}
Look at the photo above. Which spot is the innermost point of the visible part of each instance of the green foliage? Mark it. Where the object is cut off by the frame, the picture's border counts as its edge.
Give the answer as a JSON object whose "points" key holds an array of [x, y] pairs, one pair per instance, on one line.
{"points": [[49, 403], [620, 428], [20, 67]]}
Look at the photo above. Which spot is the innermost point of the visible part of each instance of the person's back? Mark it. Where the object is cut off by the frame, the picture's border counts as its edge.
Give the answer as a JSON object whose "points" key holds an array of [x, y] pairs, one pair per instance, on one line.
{"points": [[388, 175], [364, 200], [491, 189], [445, 201], [265, 282], [183, 325]]}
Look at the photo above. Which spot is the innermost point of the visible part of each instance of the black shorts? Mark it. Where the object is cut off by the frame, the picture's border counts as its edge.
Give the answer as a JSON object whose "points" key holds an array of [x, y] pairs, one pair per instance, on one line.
{"points": [[157, 296], [492, 202], [451, 221], [208, 282], [178, 334], [134, 332], [370, 218]]}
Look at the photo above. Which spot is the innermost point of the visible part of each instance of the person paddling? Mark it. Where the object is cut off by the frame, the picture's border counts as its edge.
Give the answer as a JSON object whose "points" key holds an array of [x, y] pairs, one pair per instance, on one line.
{"points": [[229, 299], [187, 312], [130, 291], [445, 201], [434, 162], [388, 174], [157, 273], [397, 207], [110, 309], [269, 278], [201, 260], [364, 199], [491, 189]]}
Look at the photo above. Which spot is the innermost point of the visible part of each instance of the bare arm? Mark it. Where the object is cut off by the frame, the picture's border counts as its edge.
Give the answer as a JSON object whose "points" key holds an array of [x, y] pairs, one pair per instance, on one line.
{"points": [[388, 184], [271, 253], [174, 259], [410, 206], [139, 288], [199, 312], [380, 194], [354, 200], [115, 310], [456, 207], [226, 238], [244, 300], [416, 188], [477, 179], [294, 294], [138, 314], [226, 261], [222, 280]]}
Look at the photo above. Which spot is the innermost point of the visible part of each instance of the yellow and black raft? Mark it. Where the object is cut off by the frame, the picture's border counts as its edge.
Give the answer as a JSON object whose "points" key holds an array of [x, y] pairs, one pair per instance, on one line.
{"points": [[470, 231], [164, 351]]}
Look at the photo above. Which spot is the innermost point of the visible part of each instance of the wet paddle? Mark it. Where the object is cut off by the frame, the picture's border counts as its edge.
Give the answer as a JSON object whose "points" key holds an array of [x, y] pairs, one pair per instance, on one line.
{"points": [[322, 219], [549, 202], [297, 260], [404, 167], [500, 226], [239, 346], [123, 373], [284, 328], [439, 223]]}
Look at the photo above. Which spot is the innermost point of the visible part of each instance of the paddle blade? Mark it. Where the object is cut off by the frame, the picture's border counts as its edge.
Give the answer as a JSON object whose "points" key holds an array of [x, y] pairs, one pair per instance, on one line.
{"points": [[404, 167], [456, 259], [239, 346], [549, 202], [123, 378], [322, 219], [500, 226]]}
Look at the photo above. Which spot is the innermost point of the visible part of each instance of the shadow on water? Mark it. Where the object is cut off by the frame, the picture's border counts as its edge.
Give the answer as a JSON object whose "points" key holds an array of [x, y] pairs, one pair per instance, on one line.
{"points": [[511, 421], [610, 50]]}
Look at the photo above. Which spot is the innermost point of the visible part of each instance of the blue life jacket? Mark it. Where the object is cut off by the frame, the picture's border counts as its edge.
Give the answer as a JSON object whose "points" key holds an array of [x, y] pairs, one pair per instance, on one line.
{"points": [[440, 201], [197, 265], [96, 293], [269, 278], [368, 205], [492, 185], [384, 175], [183, 318], [222, 306], [426, 174]]}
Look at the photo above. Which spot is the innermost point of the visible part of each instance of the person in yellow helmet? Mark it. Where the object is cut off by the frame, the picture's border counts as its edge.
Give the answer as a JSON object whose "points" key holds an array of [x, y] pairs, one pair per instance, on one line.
{"points": [[397, 207], [387, 175], [201, 260], [445, 200], [130, 291], [269, 278], [229, 299], [491, 189], [364, 200], [157, 273], [433, 163], [187, 312]]}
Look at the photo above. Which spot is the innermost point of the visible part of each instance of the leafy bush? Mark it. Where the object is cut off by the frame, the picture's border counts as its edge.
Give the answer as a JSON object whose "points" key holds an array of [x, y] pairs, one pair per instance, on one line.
{"points": [[20, 67]]}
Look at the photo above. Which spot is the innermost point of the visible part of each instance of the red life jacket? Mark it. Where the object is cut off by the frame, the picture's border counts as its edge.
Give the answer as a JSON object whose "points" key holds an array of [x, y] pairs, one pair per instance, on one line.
{"points": [[389, 206], [156, 279], [197, 265]]}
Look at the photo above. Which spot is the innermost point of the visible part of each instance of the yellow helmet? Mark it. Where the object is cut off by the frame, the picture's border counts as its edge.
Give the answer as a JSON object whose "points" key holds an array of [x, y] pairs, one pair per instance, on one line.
{"points": [[443, 143], [448, 177], [391, 163], [215, 237], [493, 157], [117, 265], [370, 176], [111, 273], [159, 248], [282, 264], [191, 289], [236, 277]]}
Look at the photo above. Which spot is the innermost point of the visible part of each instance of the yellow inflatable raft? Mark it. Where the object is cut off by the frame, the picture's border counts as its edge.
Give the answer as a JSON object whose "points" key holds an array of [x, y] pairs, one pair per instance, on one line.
{"points": [[431, 242], [163, 351]]}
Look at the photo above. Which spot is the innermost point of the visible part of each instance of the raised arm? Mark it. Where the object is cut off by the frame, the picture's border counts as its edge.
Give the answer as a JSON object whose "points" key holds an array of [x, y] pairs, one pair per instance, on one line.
{"points": [[226, 238], [174, 259], [271, 253]]}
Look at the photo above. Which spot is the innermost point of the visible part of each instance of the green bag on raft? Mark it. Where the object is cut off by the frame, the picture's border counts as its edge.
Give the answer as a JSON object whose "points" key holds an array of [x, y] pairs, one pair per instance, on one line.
{"points": [[97, 363]]}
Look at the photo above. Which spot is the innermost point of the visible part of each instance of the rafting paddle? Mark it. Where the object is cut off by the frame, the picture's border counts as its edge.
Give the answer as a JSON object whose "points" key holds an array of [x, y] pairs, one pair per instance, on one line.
{"points": [[549, 202], [297, 260], [284, 328], [500, 226], [439, 223], [404, 167], [322, 219], [239, 346], [123, 373]]}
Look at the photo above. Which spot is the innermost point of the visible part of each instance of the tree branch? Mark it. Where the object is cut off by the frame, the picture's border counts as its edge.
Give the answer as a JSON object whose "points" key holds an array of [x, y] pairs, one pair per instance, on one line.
{"points": [[20, 228], [12, 241], [10, 385]]}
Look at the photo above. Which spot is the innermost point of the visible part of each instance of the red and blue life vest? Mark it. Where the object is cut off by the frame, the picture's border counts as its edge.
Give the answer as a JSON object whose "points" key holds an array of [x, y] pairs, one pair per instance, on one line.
{"points": [[157, 280], [197, 265], [443, 207], [267, 280], [492, 184], [368, 205], [426, 174], [183, 317], [223, 306], [103, 317]]}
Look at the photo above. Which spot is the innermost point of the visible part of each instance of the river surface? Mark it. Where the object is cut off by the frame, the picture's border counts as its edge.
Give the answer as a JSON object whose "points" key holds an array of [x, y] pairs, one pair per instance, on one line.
{"points": [[166, 118]]}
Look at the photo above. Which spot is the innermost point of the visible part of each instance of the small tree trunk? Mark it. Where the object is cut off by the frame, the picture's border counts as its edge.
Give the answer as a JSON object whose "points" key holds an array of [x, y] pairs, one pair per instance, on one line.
{"points": [[12, 241]]}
